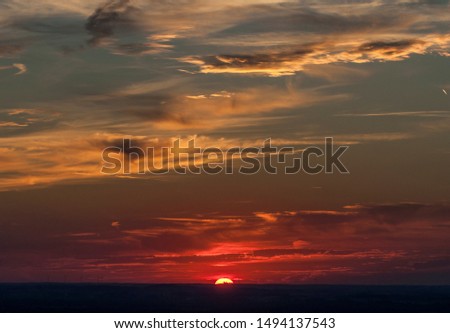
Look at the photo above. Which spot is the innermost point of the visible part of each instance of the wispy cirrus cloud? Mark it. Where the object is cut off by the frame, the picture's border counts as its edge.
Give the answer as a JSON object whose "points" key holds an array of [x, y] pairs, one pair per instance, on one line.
{"points": [[21, 68], [166, 105]]}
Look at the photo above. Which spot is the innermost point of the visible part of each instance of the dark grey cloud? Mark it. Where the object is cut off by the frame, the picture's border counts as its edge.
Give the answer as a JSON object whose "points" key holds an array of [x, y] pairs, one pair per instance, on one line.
{"points": [[268, 253], [129, 147], [55, 24], [113, 16], [132, 48], [375, 215], [407, 213], [154, 107], [236, 60], [391, 46]]}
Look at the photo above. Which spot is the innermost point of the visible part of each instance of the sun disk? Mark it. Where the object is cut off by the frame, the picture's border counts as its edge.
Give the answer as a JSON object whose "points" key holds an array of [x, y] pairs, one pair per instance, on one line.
{"points": [[224, 281]]}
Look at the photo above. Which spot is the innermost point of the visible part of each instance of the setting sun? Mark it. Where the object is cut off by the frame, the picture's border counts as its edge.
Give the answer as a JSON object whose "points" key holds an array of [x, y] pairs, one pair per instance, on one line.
{"points": [[224, 281]]}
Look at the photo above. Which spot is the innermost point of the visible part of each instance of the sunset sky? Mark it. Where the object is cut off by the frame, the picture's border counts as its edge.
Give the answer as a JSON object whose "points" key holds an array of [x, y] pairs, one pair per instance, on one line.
{"points": [[77, 76]]}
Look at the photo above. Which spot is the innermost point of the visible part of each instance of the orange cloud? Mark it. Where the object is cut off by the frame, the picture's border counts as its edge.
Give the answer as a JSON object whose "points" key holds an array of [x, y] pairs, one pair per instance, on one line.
{"points": [[295, 59]]}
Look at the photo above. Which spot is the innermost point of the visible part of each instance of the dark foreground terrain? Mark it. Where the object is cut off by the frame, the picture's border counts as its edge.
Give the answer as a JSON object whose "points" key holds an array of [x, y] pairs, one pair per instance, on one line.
{"points": [[236, 298]]}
